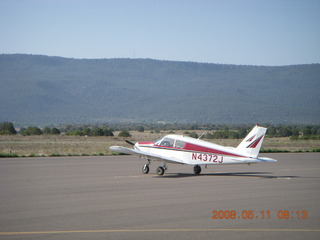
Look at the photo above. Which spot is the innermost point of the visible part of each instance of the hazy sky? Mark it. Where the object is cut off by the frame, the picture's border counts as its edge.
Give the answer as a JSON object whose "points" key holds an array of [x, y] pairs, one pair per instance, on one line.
{"points": [[247, 32]]}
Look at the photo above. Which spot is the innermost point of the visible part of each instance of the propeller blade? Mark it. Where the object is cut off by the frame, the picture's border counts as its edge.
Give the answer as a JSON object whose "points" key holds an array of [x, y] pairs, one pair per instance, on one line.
{"points": [[131, 143]]}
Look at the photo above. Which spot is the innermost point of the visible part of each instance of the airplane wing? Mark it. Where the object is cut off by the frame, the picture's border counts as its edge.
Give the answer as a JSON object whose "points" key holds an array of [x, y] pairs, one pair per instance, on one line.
{"points": [[145, 154]]}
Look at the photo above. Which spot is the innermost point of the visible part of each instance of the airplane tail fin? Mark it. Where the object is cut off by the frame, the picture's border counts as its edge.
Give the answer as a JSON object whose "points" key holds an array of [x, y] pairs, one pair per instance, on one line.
{"points": [[251, 144]]}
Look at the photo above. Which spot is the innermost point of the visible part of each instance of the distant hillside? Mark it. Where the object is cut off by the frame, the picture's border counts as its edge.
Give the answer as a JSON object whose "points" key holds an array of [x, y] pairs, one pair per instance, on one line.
{"points": [[51, 90]]}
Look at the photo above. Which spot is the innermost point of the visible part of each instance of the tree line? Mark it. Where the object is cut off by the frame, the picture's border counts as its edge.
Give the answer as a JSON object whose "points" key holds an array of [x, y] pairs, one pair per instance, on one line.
{"points": [[96, 131], [294, 132], [210, 131]]}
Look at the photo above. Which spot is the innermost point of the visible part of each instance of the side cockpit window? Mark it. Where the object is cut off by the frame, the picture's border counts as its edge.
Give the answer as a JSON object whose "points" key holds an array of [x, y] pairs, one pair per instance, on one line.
{"points": [[179, 144]]}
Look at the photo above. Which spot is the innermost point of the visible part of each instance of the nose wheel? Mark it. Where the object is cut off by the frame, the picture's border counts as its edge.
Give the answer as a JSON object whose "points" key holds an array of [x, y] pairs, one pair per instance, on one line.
{"points": [[145, 168]]}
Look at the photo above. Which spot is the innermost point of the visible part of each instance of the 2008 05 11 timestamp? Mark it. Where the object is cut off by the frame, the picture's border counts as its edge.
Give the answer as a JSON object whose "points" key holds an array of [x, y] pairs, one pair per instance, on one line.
{"points": [[264, 214]]}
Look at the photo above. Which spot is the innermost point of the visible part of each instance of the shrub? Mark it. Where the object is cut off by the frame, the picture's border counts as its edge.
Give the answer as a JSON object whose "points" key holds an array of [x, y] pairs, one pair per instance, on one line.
{"points": [[193, 135], [31, 131], [124, 133], [7, 128]]}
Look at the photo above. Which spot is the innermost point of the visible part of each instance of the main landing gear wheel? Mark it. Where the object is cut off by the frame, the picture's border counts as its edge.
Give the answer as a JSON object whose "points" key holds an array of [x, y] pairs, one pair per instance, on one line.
{"points": [[197, 169], [160, 170], [145, 169]]}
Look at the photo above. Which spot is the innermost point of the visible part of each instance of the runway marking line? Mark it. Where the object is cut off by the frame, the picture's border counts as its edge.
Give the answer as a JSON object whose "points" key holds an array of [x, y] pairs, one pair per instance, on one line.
{"points": [[160, 230]]}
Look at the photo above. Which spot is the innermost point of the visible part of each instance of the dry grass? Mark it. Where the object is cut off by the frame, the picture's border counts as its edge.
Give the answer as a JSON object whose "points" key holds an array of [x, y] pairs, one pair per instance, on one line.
{"points": [[76, 145]]}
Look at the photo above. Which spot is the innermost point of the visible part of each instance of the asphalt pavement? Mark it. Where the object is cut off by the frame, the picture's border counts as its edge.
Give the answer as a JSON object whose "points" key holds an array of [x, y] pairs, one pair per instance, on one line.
{"points": [[109, 198]]}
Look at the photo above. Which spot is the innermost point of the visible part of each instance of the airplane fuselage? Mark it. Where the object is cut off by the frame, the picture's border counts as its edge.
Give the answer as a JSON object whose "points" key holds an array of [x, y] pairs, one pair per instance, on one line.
{"points": [[178, 149], [193, 151]]}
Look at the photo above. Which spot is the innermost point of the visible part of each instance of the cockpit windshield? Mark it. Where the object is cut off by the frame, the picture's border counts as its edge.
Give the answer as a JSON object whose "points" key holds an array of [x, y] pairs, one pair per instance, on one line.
{"points": [[158, 141], [170, 142], [167, 142]]}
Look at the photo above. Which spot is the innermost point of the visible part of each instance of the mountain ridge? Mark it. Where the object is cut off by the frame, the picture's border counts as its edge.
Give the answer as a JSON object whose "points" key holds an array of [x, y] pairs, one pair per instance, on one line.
{"points": [[41, 89]]}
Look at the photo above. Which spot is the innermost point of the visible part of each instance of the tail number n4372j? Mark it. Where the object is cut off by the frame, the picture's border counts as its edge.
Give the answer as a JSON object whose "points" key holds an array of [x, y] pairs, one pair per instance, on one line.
{"points": [[207, 157]]}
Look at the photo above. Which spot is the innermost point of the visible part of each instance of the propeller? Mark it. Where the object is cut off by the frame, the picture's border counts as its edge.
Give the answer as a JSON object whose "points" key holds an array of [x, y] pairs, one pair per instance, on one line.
{"points": [[131, 143]]}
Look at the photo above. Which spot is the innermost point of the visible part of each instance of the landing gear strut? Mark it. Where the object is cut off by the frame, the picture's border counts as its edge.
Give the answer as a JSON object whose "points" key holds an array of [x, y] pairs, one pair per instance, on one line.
{"points": [[197, 169]]}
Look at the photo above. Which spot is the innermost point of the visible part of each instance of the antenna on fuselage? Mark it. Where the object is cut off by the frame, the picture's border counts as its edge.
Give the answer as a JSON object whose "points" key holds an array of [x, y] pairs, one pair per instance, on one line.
{"points": [[202, 134]]}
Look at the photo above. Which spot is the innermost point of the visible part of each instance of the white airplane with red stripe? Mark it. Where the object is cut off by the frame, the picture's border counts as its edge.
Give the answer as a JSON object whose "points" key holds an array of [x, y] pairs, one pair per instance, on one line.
{"points": [[180, 149]]}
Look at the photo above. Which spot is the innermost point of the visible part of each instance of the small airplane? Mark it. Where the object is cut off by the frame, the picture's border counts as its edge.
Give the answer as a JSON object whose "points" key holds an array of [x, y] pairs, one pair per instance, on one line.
{"points": [[180, 149]]}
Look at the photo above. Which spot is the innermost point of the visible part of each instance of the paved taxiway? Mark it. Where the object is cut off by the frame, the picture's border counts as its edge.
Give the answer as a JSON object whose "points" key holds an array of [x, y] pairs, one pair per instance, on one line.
{"points": [[109, 198]]}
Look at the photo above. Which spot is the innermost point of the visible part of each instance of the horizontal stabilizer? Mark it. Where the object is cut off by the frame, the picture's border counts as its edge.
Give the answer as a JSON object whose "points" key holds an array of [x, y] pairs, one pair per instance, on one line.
{"points": [[253, 160], [266, 159]]}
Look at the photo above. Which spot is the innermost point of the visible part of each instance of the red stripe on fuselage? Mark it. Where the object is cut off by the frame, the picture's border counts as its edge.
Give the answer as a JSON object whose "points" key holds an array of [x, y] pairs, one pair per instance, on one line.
{"points": [[197, 148], [189, 147]]}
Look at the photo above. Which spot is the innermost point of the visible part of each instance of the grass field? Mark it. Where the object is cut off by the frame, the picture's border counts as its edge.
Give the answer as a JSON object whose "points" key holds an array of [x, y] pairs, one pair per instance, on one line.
{"points": [[51, 145]]}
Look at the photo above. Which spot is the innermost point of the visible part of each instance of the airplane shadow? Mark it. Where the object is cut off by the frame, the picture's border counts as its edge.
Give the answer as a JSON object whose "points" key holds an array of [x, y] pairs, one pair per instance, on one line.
{"points": [[234, 174]]}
